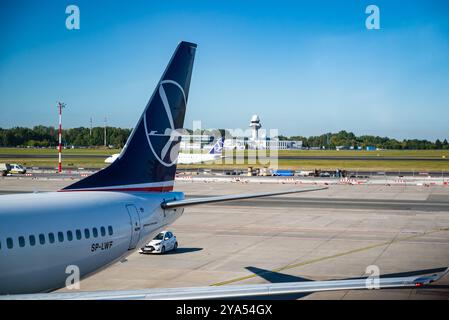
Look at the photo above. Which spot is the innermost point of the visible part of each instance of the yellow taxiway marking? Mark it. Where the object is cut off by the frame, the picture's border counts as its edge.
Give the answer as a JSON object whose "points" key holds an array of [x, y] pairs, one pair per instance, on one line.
{"points": [[311, 261]]}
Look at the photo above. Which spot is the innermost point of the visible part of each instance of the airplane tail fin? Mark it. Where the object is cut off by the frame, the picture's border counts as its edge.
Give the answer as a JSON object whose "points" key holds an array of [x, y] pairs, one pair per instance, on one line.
{"points": [[218, 146], [148, 159]]}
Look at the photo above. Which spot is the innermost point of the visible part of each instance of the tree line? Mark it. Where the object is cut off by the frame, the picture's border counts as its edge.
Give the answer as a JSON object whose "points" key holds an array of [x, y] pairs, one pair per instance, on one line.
{"points": [[349, 139], [42, 136]]}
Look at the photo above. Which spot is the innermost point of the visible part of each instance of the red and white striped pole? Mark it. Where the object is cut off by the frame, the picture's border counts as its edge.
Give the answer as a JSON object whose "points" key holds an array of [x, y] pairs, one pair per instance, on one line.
{"points": [[60, 106]]}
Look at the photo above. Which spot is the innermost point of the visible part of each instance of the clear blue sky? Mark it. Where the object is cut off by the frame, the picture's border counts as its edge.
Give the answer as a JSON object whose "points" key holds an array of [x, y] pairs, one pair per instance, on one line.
{"points": [[306, 67]]}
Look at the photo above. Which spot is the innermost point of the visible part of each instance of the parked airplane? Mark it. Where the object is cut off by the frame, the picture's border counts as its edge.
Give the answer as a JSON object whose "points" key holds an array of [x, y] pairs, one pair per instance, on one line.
{"points": [[213, 154], [190, 158], [111, 158], [99, 220]]}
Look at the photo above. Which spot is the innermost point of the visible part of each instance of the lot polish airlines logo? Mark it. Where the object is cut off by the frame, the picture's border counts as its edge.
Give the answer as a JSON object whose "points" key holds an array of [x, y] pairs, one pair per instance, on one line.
{"points": [[173, 135], [218, 146]]}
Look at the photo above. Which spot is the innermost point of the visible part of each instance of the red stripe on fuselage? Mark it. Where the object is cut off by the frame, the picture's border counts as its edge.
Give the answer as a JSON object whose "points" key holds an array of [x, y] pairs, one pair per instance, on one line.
{"points": [[147, 189]]}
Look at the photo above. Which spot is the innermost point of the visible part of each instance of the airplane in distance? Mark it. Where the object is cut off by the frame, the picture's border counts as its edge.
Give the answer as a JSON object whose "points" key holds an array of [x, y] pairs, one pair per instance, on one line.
{"points": [[111, 158], [213, 154], [99, 220], [190, 158]]}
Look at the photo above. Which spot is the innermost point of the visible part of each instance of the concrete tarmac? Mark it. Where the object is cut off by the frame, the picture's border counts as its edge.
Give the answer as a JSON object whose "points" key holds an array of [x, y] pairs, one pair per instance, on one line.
{"points": [[331, 234], [289, 202]]}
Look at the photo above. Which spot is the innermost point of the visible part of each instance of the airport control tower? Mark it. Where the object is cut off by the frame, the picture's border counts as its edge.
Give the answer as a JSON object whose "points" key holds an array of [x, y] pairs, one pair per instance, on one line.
{"points": [[255, 125]]}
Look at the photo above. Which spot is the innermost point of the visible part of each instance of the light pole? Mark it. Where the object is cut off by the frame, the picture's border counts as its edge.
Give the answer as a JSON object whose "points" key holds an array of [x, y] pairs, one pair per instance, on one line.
{"points": [[60, 106], [105, 125]]}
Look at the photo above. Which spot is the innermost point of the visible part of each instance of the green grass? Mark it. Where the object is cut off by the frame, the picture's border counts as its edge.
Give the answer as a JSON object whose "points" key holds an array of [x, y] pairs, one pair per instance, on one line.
{"points": [[371, 165], [90, 151], [363, 153], [367, 165], [66, 162], [311, 153], [384, 165]]}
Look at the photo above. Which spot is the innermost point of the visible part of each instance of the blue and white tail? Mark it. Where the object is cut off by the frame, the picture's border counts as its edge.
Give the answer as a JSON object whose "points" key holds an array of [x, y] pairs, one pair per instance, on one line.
{"points": [[148, 160], [218, 146]]}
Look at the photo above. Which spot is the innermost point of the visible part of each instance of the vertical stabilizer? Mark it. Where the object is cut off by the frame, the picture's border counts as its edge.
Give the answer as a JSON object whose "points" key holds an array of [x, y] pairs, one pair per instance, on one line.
{"points": [[148, 160]]}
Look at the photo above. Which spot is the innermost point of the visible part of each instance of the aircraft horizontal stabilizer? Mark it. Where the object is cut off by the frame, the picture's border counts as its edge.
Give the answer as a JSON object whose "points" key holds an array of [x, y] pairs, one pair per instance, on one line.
{"points": [[232, 197]]}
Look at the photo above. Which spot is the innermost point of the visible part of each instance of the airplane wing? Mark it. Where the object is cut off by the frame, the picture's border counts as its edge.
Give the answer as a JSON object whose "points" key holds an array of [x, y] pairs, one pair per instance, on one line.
{"points": [[236, 291], [197, 201]]}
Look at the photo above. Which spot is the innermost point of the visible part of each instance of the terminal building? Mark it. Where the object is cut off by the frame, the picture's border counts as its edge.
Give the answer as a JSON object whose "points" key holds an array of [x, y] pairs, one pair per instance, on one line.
{"points": [[255, 141], [195, 141]]}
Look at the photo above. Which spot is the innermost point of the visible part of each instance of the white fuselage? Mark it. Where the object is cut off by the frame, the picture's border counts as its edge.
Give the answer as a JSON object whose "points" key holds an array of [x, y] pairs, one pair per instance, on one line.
{"points": [[183, 158], [192, 158], [43, 234]]}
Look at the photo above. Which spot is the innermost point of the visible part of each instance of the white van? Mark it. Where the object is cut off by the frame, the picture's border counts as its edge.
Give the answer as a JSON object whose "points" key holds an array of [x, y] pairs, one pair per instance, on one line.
{"points": [[4, 169]]}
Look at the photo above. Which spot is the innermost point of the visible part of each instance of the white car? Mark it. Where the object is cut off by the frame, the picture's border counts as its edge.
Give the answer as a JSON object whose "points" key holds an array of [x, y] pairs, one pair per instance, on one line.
{"points": [[163, 242], [17, 168]]}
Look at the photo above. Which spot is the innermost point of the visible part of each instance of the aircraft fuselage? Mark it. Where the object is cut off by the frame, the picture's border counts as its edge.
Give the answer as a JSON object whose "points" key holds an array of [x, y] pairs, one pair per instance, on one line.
{"points": [[44, 236]]}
